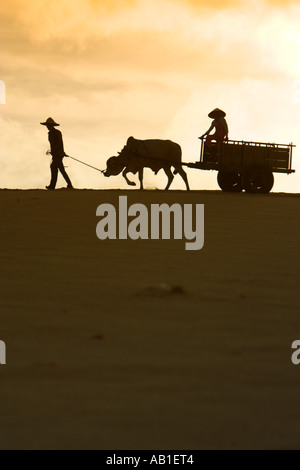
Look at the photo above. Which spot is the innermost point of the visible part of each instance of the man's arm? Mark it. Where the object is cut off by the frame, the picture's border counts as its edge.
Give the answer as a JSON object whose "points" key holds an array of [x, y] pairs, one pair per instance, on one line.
{"points": [[56, 143], [224, 122], [208, 131]]}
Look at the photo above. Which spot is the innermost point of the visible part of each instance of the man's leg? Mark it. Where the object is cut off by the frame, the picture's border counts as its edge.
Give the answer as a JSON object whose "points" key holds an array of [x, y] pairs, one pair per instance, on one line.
{"points": [[209, 138], [65, 175], [54, 171]]}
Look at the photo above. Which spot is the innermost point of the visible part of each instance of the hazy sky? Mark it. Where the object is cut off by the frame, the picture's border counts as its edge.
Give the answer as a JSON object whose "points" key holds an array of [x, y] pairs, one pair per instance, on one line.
{"points": [[109, 69]]}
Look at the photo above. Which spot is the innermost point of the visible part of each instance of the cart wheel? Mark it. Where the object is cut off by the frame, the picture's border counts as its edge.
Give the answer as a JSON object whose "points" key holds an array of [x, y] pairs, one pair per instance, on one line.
{"points": [[229, 181], [259, 180]]}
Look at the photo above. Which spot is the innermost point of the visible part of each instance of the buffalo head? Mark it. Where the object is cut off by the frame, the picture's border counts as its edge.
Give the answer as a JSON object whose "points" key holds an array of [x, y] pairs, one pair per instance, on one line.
{"points": [[114, 166]]}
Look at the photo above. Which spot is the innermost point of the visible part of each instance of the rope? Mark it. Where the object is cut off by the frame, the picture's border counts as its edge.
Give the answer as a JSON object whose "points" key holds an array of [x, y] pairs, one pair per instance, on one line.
{"points": [[73, 158]]}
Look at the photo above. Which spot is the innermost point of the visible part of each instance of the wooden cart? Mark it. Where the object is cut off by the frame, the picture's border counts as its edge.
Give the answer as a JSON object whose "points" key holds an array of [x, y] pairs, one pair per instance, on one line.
{"points": [[245, 165]]}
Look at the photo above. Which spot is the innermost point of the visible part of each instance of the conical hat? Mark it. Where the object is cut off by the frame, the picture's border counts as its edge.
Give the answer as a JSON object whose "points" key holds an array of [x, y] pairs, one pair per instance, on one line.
{"points": [[50, 122], [216, 113]]}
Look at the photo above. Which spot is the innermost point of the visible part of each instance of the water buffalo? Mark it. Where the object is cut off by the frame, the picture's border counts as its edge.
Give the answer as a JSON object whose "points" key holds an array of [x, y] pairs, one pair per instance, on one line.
{"points": [[154, 154]]}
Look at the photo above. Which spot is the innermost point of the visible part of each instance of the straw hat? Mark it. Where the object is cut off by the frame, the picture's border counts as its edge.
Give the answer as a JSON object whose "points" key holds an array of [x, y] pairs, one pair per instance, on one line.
{"points": [[49, 122], [216, 113]]}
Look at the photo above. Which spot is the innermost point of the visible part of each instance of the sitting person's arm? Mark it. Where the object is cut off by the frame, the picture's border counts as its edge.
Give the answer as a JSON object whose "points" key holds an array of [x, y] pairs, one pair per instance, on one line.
{"points": [[208, 131], [224, 123]]}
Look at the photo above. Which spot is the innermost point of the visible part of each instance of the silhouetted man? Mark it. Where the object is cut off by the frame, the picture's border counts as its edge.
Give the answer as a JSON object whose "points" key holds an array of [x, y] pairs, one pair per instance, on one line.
{"points": [[219, 124], [57, 152]]}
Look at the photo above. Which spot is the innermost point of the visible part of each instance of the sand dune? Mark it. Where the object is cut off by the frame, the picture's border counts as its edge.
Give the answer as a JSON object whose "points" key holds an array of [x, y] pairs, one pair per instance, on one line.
{"points": [[99, 357]]}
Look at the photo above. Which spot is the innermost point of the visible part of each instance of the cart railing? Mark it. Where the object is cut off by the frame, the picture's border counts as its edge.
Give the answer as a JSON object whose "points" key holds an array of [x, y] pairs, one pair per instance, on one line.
{"points": [[243, 154]]}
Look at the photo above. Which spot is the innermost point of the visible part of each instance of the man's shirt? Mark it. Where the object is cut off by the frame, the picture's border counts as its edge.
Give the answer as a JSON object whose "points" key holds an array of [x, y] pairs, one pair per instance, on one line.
{"points": [[56, 143]]}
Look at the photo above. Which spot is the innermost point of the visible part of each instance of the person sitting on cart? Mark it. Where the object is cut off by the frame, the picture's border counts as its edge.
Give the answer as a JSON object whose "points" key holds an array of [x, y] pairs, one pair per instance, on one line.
{"points": [[219, 124]]}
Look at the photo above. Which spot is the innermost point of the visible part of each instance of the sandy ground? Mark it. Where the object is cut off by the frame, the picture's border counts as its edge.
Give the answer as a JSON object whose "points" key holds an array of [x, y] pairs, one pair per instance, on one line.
{"points": [[91, 364]]}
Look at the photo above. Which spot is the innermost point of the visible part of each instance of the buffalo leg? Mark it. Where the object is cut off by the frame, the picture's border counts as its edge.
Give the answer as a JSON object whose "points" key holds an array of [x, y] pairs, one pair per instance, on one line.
{"points": [[170, 177], [124, 174], [141, 177], [183, 175]]}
